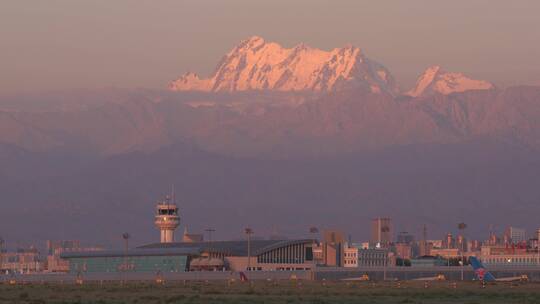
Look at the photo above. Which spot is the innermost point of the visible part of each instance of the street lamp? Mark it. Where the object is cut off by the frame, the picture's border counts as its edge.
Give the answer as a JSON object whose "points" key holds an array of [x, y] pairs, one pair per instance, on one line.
{"points": [[2, 242], [314, 231], [538, 247], [126, 237], [248, 231], [210, 230], [461, 227]]}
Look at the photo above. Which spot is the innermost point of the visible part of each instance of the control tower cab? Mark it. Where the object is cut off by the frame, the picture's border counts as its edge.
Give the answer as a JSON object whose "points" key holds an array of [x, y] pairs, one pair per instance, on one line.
{"points": [[167, 219]]}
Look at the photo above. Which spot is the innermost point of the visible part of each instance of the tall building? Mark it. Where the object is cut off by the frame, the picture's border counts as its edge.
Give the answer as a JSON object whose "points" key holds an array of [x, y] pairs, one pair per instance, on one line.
{"points": [[167, 219], [381, 231], [423, 248], [333, 246], [449, 242], [515, 235]]}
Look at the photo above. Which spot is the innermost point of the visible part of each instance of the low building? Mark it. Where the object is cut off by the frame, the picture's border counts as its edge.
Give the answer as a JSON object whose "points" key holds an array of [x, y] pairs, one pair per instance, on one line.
{"points": [[135, 260], [403, 250], [56, 248], [509, 256], [374, 257], [445, 252], [350, 257], [177, 257], [21, 261], [428, 261]]}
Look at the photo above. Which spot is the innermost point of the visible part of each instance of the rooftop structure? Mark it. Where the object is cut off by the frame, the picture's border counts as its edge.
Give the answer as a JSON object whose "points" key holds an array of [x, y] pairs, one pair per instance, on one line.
{"points": [[381, 232]]}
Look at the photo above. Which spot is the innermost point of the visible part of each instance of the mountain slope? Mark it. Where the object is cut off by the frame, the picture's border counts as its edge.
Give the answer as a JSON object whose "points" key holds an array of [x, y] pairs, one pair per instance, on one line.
{"points": [[259, 65], [435, 80], [253, 125]]}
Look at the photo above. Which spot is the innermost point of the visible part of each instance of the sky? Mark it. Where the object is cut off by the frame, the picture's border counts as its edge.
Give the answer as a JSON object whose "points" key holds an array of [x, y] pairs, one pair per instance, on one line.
{"points": [[66, 44]]}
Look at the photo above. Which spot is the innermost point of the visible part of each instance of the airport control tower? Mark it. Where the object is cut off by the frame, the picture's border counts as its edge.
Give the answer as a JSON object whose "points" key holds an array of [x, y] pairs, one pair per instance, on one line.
{"points": [[167, 219]]}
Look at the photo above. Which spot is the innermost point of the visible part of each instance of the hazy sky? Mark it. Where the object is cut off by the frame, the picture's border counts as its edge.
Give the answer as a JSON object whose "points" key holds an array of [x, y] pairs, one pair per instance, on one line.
{"points": [[62, 44]]}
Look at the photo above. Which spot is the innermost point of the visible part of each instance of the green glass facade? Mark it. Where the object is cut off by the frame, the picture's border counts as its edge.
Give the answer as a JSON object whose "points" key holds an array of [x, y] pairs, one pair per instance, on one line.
{"points": [[152, 264]]}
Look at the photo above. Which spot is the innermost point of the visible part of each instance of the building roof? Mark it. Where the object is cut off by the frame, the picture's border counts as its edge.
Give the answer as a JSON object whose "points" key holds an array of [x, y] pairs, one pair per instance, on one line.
{"points": [[132, 252], [233, 248]]}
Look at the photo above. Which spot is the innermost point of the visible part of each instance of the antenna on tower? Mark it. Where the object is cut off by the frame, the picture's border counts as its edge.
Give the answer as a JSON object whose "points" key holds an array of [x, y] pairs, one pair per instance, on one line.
{"points": [[173, 198]]}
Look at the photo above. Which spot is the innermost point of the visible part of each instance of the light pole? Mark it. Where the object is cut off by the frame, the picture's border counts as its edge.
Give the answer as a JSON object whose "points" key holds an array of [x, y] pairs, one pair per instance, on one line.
{"points": [[313, 230], [461, 227], [248, 232], [538, 247], [124, 267], [126, 237], [2, 242], [210, 230]]}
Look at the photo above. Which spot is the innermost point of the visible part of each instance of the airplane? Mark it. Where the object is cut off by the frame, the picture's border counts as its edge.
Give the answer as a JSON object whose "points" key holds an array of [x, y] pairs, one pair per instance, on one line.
{"points": [[485, 276]]}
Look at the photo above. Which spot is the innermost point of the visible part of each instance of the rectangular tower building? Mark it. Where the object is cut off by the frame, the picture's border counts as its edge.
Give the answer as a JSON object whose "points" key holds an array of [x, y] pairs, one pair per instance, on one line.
{"points": [[381, 231]]}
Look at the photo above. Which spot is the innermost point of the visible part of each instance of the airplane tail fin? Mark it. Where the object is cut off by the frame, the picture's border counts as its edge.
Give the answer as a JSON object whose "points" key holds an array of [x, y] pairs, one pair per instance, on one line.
{"points": [[480, 271]]}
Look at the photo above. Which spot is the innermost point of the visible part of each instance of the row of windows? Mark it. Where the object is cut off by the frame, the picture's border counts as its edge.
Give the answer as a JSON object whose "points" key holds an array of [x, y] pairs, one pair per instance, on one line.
{"points": [[132, 264], [292, 254], [512, 260]]}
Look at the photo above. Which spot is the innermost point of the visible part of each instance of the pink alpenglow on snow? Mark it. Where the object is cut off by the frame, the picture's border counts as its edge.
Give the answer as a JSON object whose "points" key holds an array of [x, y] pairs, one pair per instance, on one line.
{"points": [[259, 65], [435, 80]]}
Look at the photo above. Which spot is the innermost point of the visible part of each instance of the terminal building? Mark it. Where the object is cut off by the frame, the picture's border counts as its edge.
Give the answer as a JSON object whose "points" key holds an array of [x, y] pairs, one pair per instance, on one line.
{"points": [[194, 255], [262, 255]]}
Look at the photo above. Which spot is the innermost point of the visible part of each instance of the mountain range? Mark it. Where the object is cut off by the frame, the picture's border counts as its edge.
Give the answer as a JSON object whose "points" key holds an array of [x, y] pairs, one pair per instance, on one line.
{"points": [[259, 65], [275, 136]]}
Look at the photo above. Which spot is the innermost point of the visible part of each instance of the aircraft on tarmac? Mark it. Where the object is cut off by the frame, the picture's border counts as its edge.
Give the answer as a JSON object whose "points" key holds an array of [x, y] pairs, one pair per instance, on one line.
{"points": [[485, 276]]}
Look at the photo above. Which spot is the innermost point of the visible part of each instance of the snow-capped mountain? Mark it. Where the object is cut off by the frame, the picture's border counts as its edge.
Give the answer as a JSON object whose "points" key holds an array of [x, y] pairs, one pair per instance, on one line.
{"points": [[259, 65], [435, 80]]}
